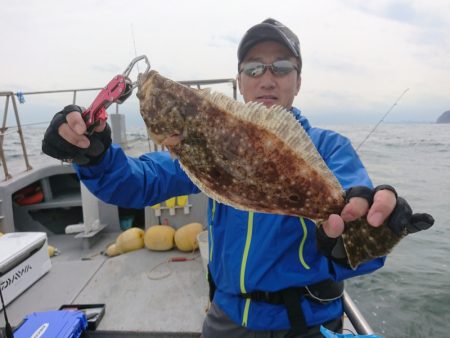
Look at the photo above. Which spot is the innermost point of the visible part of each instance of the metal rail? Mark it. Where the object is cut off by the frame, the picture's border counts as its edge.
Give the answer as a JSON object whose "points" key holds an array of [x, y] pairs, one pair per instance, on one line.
{"points": [[196, 83], [4, 128], [355, 316]]}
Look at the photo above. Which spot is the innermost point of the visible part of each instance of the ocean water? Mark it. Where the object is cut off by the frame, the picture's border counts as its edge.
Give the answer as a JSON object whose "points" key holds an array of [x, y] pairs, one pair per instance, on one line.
{"points": [[410, 295]]}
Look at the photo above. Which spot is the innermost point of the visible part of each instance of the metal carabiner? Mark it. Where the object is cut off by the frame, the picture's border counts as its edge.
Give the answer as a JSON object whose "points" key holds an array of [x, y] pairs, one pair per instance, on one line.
{"points": [[116, 91], [130, 67], [130, 85]]}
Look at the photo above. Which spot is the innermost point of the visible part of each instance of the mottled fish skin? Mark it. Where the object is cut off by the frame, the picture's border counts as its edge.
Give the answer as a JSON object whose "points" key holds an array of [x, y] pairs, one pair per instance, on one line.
{"points": [[240, 163], [364, 242], [247, 165], [252, 176]]}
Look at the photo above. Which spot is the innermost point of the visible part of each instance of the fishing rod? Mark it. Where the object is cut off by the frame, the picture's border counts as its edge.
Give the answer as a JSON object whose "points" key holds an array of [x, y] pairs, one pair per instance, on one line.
{"points": [[381, 120], [8, 329]]}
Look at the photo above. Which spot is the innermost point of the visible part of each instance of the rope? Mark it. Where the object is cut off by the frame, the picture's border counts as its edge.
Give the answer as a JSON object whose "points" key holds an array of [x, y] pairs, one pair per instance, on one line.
{"points": [[169, 272]]}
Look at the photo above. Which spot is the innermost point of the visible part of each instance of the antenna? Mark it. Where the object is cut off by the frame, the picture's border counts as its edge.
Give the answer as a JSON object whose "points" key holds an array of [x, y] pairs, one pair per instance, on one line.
{"points": [[8, 329], [381, 120]]}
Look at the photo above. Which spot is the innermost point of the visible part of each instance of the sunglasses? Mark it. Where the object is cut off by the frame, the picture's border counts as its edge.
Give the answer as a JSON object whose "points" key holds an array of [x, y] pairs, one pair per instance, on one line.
{"points": [[278, 68]]}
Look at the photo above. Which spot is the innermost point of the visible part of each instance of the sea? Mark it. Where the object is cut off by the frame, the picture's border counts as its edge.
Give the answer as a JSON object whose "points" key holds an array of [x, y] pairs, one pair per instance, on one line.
{"points": [[410, 295]]}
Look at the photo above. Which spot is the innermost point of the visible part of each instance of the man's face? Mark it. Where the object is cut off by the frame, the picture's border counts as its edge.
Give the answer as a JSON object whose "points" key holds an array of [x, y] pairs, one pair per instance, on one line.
{"points": [[268, 88]]}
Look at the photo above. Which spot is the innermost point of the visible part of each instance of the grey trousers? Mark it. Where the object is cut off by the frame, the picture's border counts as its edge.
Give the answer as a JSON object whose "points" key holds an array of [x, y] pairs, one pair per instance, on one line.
{"points": [[218, 325]]}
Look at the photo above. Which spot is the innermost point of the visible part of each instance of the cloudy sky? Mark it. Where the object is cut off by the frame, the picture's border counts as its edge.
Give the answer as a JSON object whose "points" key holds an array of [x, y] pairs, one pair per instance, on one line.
{"points": [[358, 56]]}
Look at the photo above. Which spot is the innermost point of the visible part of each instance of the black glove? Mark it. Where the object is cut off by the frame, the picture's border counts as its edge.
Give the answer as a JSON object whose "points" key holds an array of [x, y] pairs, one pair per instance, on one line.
{"points": [[334, 247], [55, 146], [401, 221], [331, 247]]}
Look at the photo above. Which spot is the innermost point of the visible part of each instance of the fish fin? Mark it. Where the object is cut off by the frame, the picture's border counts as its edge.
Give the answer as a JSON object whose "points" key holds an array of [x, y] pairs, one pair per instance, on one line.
{"points": [[283, 124]]}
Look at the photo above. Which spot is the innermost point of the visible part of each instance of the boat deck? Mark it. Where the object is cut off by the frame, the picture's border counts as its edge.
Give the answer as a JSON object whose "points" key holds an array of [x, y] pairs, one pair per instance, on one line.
{"points": [[142, 297]]}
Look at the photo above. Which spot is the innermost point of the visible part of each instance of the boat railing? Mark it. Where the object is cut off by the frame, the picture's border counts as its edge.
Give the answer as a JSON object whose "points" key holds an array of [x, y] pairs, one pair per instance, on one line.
{"points": [[355, 317], [6, 130]]}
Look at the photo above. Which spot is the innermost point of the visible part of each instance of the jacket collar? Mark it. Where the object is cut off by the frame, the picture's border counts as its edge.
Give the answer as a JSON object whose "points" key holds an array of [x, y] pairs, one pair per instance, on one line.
{"points": [[300, 118]]}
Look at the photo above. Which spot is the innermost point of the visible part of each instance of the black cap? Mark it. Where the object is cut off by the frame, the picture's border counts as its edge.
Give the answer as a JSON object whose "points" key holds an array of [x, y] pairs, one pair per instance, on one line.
{"points": [[269, 29]]}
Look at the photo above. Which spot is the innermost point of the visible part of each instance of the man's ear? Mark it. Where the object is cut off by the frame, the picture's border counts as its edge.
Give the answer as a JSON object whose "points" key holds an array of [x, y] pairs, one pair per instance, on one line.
{"points": [[238, 79], [299, 83]]}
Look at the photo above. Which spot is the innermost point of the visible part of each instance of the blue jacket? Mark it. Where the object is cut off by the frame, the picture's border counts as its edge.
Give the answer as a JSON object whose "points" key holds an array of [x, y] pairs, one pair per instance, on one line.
{"points": [[248, 251]]}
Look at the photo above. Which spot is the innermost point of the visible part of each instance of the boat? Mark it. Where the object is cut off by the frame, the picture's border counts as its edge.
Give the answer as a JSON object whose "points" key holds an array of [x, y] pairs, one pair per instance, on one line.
{"points": [[144, 293]]}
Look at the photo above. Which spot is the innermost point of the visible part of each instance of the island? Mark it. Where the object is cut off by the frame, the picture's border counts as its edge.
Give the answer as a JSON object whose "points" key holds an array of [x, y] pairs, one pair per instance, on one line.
{"points": [[444, 118]]}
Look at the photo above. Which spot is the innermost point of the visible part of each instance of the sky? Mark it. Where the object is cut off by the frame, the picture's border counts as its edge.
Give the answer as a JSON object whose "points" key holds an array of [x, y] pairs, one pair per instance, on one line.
{"points": [[358, 56]]}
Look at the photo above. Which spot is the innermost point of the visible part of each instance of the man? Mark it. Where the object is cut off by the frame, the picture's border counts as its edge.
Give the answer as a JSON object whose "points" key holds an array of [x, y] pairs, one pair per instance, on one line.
{"points": [[270, 275]]}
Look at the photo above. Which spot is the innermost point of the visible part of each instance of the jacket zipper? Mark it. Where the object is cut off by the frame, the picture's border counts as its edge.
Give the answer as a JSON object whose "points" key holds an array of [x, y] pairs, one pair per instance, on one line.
{"points": [[243, 266], [210, 232]]}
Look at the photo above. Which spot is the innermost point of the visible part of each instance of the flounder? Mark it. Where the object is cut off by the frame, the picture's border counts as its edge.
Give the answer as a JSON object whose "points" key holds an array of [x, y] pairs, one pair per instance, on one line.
{"points": [[252, 158]]}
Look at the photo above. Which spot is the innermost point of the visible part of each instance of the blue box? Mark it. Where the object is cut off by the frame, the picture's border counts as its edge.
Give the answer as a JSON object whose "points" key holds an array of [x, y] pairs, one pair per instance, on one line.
{"points": [[52, 324]]}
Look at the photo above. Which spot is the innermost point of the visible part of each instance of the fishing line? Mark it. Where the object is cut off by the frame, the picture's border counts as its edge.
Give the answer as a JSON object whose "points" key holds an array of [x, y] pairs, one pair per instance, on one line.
{"points": [[134, 44], [8, 328], [381, 120]]}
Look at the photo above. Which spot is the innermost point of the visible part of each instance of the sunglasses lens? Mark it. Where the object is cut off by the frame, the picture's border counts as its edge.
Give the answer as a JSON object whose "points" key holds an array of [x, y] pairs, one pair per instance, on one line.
{"points": [[253, 69], [282, 67], [279, 68]]}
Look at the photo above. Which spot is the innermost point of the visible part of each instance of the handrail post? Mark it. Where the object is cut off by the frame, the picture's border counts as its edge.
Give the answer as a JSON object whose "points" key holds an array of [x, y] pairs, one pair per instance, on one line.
{"points": [[234, 89], [9, 95], [19, 131], [2, 136]]}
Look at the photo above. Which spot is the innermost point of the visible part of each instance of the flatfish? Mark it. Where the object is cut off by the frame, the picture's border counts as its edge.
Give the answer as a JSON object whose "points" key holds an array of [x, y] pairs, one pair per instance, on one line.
{"points": [[252, 158]]}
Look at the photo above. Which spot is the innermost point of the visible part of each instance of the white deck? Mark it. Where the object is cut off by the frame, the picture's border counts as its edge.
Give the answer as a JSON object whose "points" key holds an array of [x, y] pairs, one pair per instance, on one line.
{"points": [[136, 305]]}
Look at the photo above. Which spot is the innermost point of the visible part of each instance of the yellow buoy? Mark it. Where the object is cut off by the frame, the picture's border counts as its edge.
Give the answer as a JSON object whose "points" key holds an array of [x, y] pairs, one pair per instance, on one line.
{"points": [[130, 240], [159, 237], [186, 236], [112, 250], [52, 251]]}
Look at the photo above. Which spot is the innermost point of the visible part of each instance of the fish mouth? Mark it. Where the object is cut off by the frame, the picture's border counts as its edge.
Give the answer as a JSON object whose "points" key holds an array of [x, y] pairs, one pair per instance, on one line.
{"points": [[172, 140], [167, 140]]}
